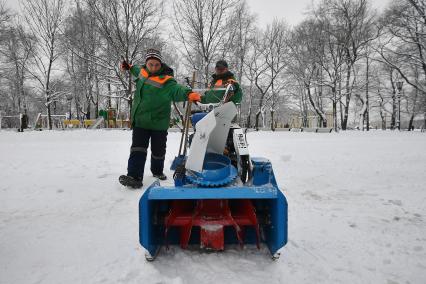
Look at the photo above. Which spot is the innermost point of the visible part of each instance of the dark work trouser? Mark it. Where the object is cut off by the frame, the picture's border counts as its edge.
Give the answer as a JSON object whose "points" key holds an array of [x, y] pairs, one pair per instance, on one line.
{"points": [[139, 149]]}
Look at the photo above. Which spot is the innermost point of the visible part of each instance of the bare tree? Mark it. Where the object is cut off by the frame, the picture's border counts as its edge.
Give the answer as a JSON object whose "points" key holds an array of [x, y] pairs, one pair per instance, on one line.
{"points": [[331, 57], [240, 38], [128, 28], [331, 62], [237, 44], [402, 45], [355, 21], [82, 44], [414, 100], [251, 71], [16, 55], [307, 51], [44, 19], [4, 21], [4, 15], [266, 64], [201, 29], [276, 57]]}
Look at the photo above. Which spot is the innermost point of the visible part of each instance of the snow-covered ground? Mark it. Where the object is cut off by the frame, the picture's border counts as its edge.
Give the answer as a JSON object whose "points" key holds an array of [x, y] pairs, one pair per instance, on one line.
{"points": [[357, 211]]}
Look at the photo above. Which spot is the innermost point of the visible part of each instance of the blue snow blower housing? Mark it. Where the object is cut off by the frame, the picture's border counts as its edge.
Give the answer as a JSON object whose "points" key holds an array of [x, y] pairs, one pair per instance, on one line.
{"points": [[218, 199]]}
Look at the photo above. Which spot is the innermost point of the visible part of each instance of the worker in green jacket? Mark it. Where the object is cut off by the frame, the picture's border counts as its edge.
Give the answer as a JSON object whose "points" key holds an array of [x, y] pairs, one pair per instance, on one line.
{"points": [[150, 115], [221, 79]]}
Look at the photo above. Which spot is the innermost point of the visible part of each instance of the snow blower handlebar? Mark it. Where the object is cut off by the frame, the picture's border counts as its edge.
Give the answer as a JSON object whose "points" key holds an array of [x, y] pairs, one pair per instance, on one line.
{"points": [[229, 92], [185, 132]]}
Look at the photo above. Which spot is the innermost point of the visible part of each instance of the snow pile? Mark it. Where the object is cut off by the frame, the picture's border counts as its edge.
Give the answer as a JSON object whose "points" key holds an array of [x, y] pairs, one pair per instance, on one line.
{"points": [[356, 211]]}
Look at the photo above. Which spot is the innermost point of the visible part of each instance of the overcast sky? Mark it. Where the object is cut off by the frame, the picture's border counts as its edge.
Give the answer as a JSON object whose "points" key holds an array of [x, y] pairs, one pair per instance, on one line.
{"points": [[292, 11]]}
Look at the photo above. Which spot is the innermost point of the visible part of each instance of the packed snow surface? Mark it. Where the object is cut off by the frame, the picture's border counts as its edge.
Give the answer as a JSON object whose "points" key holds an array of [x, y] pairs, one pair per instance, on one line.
{"points": [[357, 211]]}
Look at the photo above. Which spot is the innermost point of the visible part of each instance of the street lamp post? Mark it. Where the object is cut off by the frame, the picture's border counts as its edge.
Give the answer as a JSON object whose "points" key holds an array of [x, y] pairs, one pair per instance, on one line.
{"points": [[399, 86]]}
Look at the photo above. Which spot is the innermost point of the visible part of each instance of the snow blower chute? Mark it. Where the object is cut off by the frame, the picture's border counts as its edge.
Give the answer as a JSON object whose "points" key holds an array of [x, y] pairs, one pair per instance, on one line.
{"points": [[221, 195]]}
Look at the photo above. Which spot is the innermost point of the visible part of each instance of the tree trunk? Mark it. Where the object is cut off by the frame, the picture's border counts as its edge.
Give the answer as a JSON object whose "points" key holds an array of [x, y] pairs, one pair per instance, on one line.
{"points": [[250, 105], [410, 124], [77, 108], [206, 73], [382, 116], [413, 113], [346, 115], [394, 110], [348, 97], [97, 97], [256, 125], [335, 114], [334, 104], [248, 123], [304, 111], [317, 110], [49, 114], [88, 109], [367, 114], [109, 93], [367, 111], [424, 122]]}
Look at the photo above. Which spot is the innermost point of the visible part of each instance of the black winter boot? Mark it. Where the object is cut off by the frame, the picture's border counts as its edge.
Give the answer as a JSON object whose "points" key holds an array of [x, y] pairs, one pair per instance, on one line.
{"points": [[161, 176], [130, 181]]}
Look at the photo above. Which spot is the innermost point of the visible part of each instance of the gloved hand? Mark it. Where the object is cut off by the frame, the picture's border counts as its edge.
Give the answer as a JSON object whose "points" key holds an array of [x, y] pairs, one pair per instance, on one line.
{"points": [[194, 97], [231, 81], [124, 65]]}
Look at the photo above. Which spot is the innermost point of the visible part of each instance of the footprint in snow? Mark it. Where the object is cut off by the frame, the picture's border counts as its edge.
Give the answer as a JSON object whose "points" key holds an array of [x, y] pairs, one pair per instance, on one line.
{"points": [[418, 248], [394, 202], [352, 225], [286, 158]]}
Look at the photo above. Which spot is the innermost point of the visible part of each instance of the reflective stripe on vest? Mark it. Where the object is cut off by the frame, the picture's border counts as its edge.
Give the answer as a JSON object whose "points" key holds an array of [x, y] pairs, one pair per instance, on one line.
{"points": [[155, 81]]}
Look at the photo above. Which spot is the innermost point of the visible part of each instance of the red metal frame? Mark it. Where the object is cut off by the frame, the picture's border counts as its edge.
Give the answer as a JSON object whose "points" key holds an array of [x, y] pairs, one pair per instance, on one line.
{"points": [[211, 215]]}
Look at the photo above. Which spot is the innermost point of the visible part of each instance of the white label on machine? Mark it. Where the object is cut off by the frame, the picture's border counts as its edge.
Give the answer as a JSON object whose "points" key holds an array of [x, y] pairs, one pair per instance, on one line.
{"points": [[240, 142]]}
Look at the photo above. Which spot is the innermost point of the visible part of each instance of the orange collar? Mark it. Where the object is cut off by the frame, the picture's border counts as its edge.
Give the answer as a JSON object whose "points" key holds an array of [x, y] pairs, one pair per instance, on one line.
{"points": [[157, 79]]}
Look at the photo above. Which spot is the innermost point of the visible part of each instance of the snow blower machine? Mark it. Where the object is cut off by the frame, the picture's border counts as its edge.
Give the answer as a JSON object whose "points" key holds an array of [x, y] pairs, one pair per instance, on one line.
{"points": [[221, 196]]}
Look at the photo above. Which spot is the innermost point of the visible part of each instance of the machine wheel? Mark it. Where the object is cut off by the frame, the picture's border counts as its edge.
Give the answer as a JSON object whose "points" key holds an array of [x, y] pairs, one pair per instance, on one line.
{"points": [[150, 257], [276, 256]]}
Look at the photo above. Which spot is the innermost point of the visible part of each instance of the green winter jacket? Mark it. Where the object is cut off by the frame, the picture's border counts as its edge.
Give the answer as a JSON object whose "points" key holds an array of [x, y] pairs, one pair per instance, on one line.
{"points": [[154, 93], [221, 81]]}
